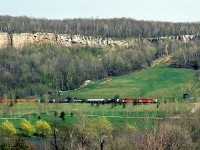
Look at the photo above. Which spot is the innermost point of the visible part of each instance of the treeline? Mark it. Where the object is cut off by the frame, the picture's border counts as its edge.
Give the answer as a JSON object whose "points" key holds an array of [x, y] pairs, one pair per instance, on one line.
{"points": [[38, 69], [116, 27], [186, 55]]}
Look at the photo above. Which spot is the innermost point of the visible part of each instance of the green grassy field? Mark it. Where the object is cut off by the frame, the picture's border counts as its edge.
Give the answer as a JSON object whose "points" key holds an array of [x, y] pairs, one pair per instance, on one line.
{"points": [[158, 82], [161, 82], [134, 114]]}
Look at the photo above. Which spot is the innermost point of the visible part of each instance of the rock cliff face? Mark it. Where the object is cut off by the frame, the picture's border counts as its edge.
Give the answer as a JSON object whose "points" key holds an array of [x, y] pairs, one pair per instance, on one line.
{"points": [[19, 40], [5, 39]]}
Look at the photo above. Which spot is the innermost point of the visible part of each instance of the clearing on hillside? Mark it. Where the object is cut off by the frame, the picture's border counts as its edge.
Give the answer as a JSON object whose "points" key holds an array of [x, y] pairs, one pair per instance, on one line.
{"points": [[158, 82]]}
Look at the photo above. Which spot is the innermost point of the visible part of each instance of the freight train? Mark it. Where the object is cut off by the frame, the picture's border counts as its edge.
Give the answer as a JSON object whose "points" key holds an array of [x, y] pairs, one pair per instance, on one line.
{"points": [[125, 100]]}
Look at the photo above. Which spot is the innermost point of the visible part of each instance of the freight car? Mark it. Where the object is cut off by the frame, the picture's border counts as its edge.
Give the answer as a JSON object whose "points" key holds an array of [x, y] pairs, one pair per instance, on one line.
{"points": [[19, 100]]}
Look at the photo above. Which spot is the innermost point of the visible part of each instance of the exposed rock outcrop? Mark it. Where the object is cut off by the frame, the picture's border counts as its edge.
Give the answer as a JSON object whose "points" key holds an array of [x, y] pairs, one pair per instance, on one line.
{"points": [[5, 39], [19, 40]]}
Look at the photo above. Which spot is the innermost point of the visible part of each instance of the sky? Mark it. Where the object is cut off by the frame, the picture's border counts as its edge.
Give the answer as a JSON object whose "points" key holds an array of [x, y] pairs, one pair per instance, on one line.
{"points": [[152, 10]]}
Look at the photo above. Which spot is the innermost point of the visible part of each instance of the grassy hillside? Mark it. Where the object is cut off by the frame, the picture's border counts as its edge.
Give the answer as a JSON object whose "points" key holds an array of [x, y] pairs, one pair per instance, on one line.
{"points": [[160, 82]]}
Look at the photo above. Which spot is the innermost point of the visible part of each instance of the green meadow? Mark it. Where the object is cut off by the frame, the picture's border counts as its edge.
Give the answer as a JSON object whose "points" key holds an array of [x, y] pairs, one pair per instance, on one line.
{"points": [[134, 114], [161, 82]]}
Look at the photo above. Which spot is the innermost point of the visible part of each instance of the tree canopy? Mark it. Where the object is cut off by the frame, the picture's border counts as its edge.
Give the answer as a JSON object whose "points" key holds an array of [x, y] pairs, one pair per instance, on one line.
{"points": [[115, 27]]}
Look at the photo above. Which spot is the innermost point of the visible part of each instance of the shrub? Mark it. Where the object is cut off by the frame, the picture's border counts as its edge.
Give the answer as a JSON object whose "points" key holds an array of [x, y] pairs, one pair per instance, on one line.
{"points": [[43, 128], [27, 128], [173, 137], [7, 128], [22, 144], [62, 115], [167, 137]]}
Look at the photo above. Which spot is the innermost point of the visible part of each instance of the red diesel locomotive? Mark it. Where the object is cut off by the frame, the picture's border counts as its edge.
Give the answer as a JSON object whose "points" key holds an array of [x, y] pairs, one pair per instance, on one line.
{"points": [[139, 100]]}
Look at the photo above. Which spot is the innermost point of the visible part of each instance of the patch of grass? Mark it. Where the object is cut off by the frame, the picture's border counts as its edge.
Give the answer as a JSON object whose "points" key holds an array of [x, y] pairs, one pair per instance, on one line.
{"points": [[133, 114], [158, 82]]}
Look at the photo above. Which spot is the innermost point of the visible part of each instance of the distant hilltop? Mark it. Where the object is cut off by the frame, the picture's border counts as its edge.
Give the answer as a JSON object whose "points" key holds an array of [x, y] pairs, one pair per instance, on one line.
{"points": [[19, 40]]}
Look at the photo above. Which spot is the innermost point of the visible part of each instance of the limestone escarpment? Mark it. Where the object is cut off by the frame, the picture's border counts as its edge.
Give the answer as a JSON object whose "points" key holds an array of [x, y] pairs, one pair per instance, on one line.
{"points": [[19, 40], [5, 39]]}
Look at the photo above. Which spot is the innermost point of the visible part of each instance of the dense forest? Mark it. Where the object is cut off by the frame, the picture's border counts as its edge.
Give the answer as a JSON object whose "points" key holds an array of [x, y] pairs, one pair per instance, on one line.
{"points": [[36, 69], [116, 27]]}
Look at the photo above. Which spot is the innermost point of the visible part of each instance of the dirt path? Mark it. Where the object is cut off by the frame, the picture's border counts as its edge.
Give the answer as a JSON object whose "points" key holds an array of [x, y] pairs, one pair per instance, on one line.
{"points": [[161, 59], [132, 117], [11, 118]]}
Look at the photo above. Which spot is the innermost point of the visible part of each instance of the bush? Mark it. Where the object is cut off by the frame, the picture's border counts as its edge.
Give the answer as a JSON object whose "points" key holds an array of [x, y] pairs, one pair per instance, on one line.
{"points": [[62, 115], [167, 137], [22, 144], [173, 137], [27, 128], [8, 129], [43, 128]]}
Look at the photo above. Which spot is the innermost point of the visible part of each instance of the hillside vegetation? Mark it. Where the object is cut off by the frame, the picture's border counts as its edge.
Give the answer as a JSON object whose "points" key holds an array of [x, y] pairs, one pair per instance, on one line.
{"points": [[38, 70], [35, 70], [160, 82]]}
